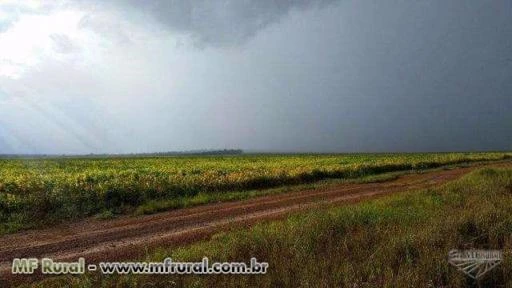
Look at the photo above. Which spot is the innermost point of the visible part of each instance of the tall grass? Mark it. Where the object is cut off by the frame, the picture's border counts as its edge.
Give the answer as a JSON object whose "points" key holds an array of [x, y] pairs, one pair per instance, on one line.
{"points": [[399, 241]]}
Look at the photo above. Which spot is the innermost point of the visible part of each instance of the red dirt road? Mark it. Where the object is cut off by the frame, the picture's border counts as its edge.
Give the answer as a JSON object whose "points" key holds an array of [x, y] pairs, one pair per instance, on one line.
{"points": [[129, 237]]}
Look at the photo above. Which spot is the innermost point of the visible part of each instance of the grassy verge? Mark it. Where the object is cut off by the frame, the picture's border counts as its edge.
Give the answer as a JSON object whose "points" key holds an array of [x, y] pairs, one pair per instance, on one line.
{"points": [[154, 206], [397, 241]]}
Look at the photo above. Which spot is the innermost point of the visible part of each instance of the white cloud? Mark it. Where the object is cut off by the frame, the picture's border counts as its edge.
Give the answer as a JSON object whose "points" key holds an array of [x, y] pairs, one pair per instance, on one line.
{"points": [[31, 39]]}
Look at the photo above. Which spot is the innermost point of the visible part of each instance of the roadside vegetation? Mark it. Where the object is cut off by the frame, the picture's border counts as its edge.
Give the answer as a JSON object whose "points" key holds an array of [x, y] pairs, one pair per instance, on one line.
{"points": [[35, 192], [401, 240]]}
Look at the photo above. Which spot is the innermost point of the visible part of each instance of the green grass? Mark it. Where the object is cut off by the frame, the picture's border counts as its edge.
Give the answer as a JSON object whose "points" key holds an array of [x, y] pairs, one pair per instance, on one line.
{"points": [[400, 240], [36, 192]]}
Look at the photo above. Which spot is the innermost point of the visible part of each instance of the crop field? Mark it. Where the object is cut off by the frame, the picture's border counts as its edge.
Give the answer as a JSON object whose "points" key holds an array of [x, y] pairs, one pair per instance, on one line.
{"points": [[38, 191], [398, 241]]}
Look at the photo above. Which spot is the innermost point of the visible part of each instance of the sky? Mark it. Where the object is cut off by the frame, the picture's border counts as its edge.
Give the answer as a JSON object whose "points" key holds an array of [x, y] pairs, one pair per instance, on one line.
{"points": [[93, 76]]}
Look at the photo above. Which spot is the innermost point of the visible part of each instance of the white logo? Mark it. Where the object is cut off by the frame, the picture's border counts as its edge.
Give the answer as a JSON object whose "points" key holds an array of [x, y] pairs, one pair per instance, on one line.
{"points": [[475, 263]]}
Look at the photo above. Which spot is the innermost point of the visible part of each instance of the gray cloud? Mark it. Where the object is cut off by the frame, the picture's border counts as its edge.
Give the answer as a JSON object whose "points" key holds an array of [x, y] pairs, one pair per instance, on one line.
{"points": [[106, 26], [62, 44], [220, 23], [353, 76]]}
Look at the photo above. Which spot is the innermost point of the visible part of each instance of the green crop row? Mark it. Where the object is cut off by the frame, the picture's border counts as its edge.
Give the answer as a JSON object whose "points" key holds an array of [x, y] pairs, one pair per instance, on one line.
{"points": [[33, 191], [398, 241]]}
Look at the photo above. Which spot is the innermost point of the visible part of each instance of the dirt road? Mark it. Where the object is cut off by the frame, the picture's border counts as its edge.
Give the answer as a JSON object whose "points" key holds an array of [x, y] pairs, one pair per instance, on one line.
{"points": [[129, 237]]}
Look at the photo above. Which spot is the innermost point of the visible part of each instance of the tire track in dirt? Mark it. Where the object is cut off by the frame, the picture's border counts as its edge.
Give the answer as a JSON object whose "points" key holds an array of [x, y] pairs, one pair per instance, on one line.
{"points": [[129, 237]]}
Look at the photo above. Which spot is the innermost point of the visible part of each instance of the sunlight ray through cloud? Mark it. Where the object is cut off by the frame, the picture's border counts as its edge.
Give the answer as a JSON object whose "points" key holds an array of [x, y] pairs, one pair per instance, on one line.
{"points": [[179, 75]]}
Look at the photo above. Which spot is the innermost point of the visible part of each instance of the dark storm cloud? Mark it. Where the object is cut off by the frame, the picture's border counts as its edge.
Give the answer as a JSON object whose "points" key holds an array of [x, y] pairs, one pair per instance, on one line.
{"points": [[350, 76], [221, 23]]}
